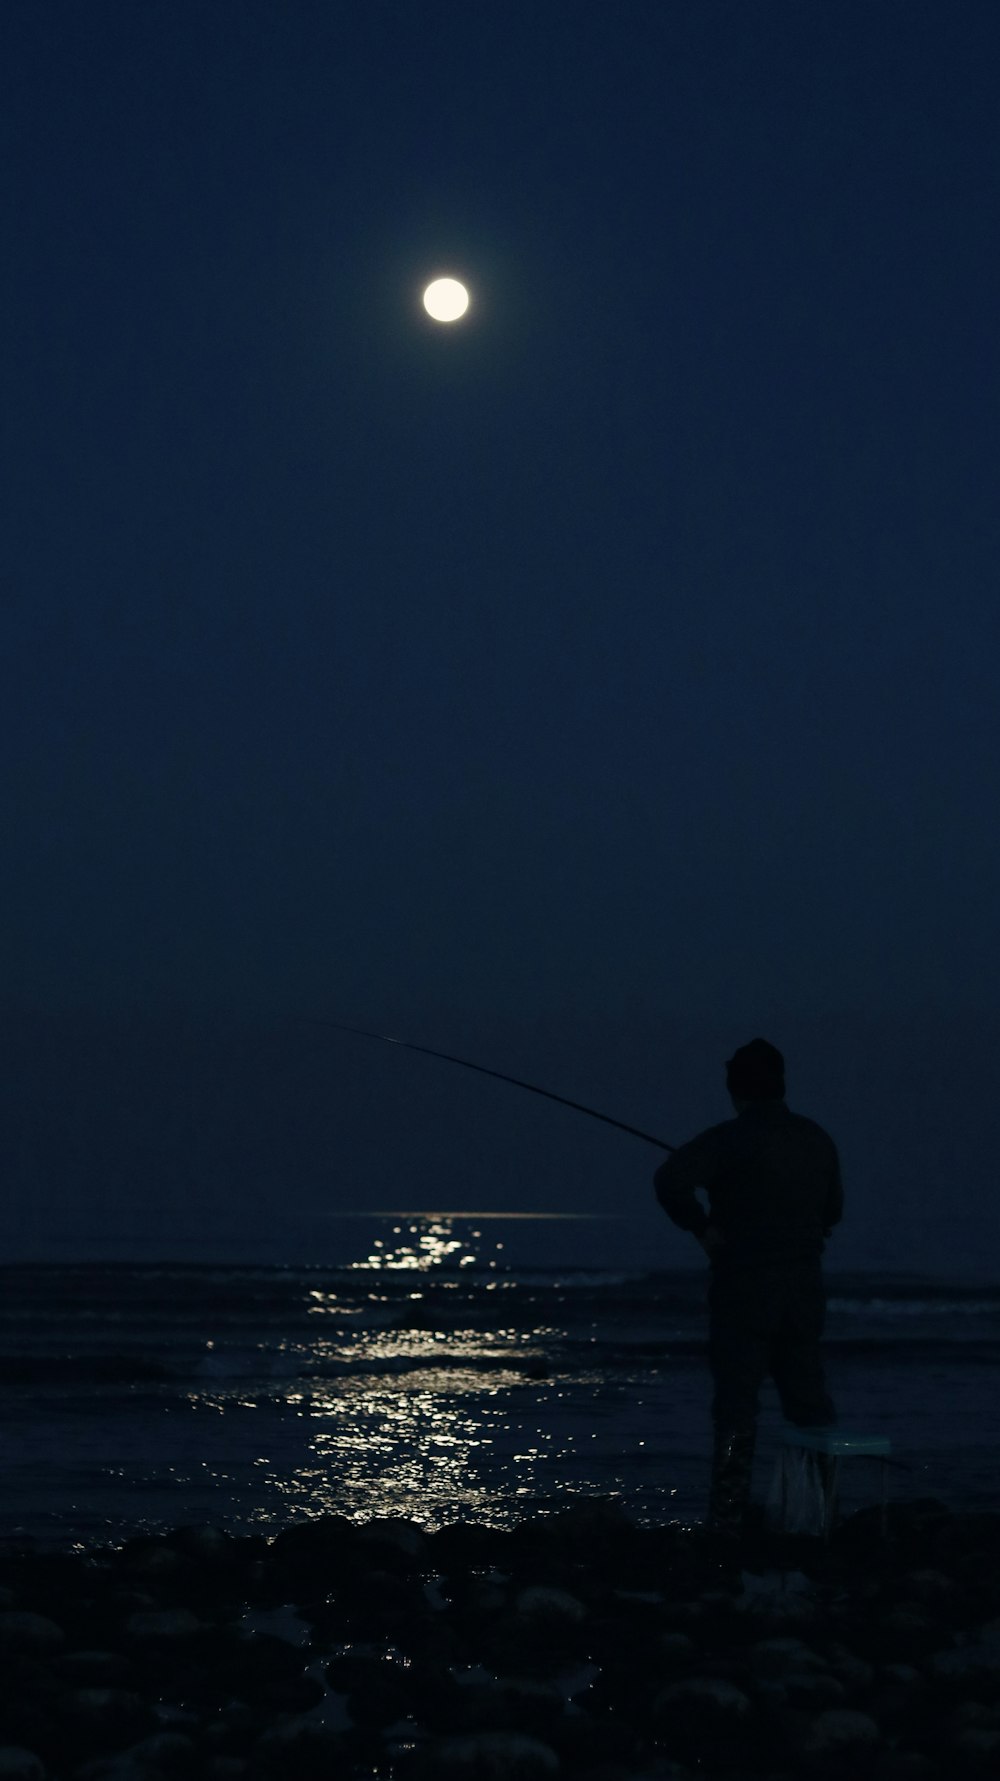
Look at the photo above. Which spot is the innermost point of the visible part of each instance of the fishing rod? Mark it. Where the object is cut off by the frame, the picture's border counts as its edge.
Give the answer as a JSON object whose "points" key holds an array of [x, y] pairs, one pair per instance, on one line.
{"points": [[532, 1087]]}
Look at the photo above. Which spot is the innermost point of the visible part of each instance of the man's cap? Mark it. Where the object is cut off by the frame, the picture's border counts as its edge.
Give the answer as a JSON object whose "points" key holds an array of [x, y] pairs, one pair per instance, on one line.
{"points": [[756, 1072]]}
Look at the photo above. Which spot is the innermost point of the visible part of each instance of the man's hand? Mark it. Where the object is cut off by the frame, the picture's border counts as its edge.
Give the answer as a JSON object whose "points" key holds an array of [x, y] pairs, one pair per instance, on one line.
{"points": [[711, 1239]]}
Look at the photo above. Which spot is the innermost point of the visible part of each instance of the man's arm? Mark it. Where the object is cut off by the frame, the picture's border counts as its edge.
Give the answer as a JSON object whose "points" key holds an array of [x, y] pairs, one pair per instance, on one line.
{"points": [[694, 1165]]}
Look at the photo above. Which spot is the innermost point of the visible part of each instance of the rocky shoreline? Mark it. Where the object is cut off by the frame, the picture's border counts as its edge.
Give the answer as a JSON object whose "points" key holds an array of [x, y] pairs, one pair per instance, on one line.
{"points": [[576, 1645]]}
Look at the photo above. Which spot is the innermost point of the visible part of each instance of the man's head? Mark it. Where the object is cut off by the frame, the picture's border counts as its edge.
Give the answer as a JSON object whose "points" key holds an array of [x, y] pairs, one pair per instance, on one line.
{"points": [[756, 1072]]}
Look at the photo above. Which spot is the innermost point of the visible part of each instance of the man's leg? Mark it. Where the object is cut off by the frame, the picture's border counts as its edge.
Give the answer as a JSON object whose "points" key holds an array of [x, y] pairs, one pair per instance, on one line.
{"points": [[796, 1366], [796, 1362], [738, 1354]]}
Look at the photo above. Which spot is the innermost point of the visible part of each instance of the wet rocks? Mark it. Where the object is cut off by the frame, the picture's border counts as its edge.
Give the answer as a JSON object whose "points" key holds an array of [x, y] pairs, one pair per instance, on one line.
{"points": [[538, 1630], [854, 1672], [534, 1708], [92, 1669], [490, 1756], [395, 1542], [207, 1545], [833, 1737], [934, 1588], [905, 1765], [786, 1604], [973, 1735], [703, 1719], [913, 1630], [27, 1634], [461, 1547], [576, 1644], [791, 1674], [812, 1690], [18, 1764], [162, 1623], [702, 1697], [675, 1649], [379, 1691], [94, 1720], [312, 1556], [156, 1758], [155, 1558], [262, 1670], [554, 1607], [294, 1747], [973, 1664], [779, 1656]]}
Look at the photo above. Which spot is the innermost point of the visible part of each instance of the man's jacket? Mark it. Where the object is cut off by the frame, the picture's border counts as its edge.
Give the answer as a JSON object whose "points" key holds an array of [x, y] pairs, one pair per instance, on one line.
{"points": [[773, 1184]]}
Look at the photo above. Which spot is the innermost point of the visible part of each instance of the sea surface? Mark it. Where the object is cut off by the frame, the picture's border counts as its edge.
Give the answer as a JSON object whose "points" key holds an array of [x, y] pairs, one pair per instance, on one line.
{"points": [[445, 1367]]}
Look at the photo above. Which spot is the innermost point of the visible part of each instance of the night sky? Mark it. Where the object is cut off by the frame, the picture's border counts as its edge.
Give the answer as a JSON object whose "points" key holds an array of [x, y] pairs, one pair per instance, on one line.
{"points": [[585, 688]]}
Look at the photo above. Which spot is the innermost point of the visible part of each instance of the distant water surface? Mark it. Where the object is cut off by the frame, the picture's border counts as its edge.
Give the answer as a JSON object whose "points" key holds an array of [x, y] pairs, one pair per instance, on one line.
{"points": [[445, 1366]]}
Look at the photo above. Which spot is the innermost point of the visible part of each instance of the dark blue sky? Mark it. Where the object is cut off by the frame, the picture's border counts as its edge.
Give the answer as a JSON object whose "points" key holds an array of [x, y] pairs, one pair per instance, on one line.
{"points": [[611, 676]]}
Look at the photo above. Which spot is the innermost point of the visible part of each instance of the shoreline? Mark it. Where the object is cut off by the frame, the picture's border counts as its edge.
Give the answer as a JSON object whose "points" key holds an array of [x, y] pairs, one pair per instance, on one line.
{"points": [[577, 1644]]}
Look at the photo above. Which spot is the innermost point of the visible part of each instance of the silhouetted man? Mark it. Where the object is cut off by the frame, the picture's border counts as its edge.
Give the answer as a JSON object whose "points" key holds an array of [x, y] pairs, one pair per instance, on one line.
{"points": [[774, 1192]]}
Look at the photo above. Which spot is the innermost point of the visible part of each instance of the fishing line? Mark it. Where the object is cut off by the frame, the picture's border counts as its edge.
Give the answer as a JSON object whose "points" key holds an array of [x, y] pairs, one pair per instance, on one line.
{"points": [[532, 1087]]}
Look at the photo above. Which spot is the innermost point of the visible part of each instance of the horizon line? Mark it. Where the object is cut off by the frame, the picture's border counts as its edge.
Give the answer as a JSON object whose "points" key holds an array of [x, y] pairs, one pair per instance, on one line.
{"points": [[380, 1213]]}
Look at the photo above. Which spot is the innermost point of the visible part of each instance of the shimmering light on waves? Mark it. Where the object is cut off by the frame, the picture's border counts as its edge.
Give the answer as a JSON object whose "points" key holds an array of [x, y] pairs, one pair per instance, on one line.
{"points": [[418, 1434], [392, 1409], [389, 1345], [436, 1247], [406, 1443]]}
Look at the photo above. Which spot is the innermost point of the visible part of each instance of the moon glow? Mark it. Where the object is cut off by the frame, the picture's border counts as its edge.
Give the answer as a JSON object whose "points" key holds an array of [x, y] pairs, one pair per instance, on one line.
{"points": [[446, 300]]}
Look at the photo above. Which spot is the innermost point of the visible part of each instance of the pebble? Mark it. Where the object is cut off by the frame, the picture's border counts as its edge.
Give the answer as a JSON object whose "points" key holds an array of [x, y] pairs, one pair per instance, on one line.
{"points": [[905, 1765], [855, 1672], [396, 1534], [204, 1543], [702, 1720], [929, 1586], [907, 1674], [776, 1657], [837, 1732], [710, 1694], [92, 1668], [676, 1648], [17, 1764], [811, 1690], [153, 1559], [162, 1623], [491, 1756], [976, 1659], [978, 1741], [22, 1632], [534, 1708], [537, 1603], [294, 1745], [165, 1753], [110, 1716]]}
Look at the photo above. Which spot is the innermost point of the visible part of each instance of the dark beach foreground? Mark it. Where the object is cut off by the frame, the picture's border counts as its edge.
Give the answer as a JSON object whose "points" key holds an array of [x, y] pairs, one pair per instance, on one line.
{"points": [[578, 1645]]}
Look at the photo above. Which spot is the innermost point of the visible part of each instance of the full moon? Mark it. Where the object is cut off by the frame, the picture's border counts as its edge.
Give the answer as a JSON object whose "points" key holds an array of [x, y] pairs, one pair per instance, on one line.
{"points": [[446, 300]]}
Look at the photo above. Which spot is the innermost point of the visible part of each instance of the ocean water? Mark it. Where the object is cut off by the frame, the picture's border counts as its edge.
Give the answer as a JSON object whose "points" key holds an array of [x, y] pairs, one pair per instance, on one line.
{"points": [[444, 1367]]}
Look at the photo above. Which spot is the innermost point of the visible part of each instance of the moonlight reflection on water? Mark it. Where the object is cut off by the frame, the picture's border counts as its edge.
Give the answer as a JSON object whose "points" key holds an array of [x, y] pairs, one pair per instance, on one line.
{"points": [[431, 1393], [427, 1440], [438, 1366], [430, 1243], [383, 1371]]}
